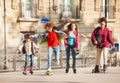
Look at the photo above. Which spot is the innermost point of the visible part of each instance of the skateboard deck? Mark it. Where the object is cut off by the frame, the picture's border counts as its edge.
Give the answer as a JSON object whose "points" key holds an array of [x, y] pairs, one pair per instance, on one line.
{"points": [[49, 73]]}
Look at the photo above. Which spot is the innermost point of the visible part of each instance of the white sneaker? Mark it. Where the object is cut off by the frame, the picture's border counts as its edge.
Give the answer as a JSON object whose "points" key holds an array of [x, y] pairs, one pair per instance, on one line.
{"points": [[58, 62], [49, 69]]}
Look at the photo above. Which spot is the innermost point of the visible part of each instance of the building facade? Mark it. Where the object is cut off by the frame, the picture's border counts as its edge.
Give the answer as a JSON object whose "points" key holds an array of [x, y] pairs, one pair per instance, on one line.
{"points": [[24, 16]]}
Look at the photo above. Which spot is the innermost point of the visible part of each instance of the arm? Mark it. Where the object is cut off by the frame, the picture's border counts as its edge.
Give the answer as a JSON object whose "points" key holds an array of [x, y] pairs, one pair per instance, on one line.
{"points": [[19, 50], [40, 35], [61, 26], [65, 42], [93, 38], [110, 39], [66, 39], [84, 36], [57, 31], [35, 46], [60, 32], [77, 41], [36, 35]]}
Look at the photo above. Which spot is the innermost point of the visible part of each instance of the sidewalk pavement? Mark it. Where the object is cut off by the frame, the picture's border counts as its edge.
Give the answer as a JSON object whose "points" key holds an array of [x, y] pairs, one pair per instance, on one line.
{"points": [[83, 75]]}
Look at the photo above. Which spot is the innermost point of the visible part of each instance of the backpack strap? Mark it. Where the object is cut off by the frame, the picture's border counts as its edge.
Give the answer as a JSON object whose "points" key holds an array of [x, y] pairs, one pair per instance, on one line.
{"points": [[23, 49], [32, 47]]}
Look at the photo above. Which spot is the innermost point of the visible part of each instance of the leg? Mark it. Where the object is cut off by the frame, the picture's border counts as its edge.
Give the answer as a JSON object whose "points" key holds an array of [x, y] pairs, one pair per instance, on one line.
{"points": [[57, 54], [62, 45], [67, 59], [50, 51], [26, 64], [26, 61], [32, 60], [98, 56], [74, 59], [97, 60], [101, 60], [105, 53], [32, 63]]}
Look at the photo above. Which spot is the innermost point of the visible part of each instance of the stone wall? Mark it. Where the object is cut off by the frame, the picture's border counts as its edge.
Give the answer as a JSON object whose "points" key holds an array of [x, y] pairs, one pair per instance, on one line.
{"points": [[14, 24]]}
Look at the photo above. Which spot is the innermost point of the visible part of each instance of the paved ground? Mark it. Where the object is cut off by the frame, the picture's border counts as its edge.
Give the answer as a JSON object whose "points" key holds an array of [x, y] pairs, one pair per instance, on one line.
{"points": [[83, 75]]}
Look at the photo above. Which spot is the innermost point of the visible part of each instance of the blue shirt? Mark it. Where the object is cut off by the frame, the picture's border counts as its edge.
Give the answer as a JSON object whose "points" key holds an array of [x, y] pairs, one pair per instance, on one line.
{"points": [[71, 39]]}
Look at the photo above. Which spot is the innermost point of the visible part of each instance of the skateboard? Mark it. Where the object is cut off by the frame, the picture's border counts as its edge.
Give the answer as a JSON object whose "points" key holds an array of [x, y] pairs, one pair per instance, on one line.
{"points": [[48, 73]]}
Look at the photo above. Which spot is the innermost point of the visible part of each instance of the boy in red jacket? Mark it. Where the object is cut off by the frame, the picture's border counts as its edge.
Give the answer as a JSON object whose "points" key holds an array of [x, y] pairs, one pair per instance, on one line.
{"points": [[53, 43]]}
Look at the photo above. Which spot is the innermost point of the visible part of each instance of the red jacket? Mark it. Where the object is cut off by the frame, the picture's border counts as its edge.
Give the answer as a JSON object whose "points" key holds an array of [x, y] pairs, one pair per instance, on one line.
{"points": [[105, 37], [52, 39]]}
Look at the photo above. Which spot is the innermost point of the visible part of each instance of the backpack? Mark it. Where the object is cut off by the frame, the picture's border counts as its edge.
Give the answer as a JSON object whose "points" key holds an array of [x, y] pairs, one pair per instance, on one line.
{"points": [[97, 36]]}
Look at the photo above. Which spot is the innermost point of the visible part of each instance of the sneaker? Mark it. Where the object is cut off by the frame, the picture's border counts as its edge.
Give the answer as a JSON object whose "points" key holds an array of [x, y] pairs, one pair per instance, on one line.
{"points": [[58, 62], [74, 70], [49, 69], [96, 69], [104, 67], [25, 71], [66, 70], [31, 70]]}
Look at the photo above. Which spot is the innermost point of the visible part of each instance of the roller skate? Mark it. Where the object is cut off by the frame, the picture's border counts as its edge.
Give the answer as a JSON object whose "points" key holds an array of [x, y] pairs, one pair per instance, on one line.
{"points": [[31, 70], [25, 71], [96, 69]]}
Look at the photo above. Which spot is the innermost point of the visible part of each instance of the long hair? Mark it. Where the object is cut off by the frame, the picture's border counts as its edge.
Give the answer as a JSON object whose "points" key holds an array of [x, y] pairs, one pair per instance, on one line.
{"points": [[70, 27]]}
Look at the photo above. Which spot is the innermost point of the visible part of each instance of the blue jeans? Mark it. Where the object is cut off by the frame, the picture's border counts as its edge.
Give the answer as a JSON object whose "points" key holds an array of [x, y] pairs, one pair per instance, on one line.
{"points": [[27, 60], [68, 49], [56, 50]]}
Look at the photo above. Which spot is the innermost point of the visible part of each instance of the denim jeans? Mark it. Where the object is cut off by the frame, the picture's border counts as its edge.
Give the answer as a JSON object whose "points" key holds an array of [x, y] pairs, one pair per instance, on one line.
{"points": [[56, 50], [27, 60], [70, 49]]}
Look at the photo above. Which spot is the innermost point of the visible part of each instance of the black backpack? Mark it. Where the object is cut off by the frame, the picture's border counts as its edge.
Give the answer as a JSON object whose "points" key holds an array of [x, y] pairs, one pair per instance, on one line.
{"points": [[97, 36]]}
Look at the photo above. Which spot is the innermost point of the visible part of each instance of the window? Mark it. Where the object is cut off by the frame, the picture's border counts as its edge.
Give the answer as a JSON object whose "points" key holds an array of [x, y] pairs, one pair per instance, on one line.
{"points": [[102, 8], [66, 8], [97, 5], [71, 8], [28, 8], [108, 8], [111, 9]]}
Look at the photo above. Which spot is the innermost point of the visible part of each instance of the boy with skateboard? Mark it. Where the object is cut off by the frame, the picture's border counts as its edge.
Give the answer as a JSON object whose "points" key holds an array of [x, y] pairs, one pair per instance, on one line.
{"points": [[53, 45]]}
